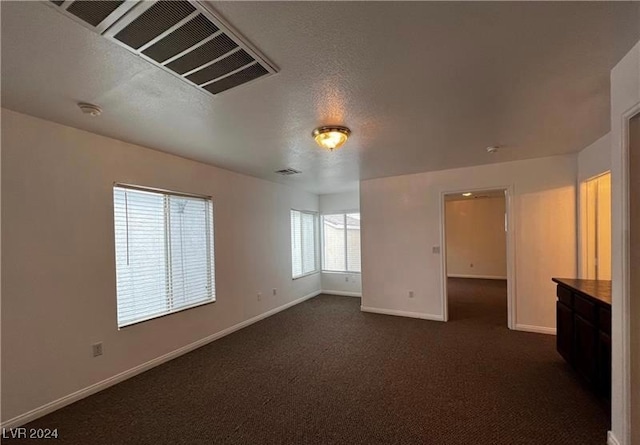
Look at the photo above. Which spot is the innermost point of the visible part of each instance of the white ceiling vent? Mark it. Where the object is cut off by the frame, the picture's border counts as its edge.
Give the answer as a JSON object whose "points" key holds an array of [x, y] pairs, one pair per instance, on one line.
{"points": [[185, 38], [288, 172]]}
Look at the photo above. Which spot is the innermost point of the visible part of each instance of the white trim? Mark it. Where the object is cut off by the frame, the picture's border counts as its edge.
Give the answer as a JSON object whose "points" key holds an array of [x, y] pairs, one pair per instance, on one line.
{"points": [[480, 277], [612, 439], [536, 329], [511, 250], [99, 386], [342, 293], [421, 315], [625, 282]]}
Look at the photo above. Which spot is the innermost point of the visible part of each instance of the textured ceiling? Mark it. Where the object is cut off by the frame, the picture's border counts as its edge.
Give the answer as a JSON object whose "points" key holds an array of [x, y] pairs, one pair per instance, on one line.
{"points": [[423, 85]]}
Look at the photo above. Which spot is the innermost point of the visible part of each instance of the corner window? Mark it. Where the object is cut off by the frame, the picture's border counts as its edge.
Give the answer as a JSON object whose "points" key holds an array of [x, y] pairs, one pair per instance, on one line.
{"points": [[341, 242], [164, 252], [304, 245]]}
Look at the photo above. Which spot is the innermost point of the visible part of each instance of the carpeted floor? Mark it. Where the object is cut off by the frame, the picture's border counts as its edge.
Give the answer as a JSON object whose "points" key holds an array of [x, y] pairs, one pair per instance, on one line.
{"points": [[322, 372]]}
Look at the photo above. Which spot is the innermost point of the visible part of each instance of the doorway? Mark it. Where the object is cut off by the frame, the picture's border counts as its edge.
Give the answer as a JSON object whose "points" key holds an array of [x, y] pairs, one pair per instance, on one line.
{"points": [[596, 228], [477, 256]]}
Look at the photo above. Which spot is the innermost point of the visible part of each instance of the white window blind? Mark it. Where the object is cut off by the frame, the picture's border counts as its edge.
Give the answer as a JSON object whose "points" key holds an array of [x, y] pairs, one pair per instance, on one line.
{"points": [[164, 253], [304, 251], [341, 242]]}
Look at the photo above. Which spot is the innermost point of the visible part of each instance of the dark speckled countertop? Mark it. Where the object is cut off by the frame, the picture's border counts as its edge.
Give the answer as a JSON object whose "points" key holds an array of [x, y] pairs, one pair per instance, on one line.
{"points": [[598, 289]]}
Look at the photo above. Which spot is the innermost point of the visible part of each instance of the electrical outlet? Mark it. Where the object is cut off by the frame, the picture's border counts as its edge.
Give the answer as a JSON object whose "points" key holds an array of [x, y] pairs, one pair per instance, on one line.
{"points": [[259, 296], [410, 294], [97, 349], [346, 278], [275, 291], [435, 249]]}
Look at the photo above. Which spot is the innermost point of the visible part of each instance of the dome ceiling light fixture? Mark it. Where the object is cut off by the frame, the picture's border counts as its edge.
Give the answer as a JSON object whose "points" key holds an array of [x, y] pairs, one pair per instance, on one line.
{"points": [[331, 137]]}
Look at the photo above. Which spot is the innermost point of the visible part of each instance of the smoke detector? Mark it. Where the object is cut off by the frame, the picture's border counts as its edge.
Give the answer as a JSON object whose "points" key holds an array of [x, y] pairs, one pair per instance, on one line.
{"points": [[492, 149], [90, 109]]}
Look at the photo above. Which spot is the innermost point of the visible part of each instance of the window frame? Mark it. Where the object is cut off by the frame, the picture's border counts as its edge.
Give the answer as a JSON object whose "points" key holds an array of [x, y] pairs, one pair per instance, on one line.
{"points": [[344, 214], [316, 243], [210, 248]]}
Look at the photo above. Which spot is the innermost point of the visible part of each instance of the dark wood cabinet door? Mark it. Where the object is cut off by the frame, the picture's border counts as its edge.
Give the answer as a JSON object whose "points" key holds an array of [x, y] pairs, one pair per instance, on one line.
{"points": [[564, 337], [584, 354], [604, 366]]}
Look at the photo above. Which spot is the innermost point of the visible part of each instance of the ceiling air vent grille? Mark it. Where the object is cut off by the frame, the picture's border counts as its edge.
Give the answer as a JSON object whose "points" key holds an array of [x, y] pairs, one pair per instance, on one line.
{"points": [[211, 50], [154, 21], [181, 39], [184, 38], [223, 66], [246, 75], [93, 12], [288, 172]]}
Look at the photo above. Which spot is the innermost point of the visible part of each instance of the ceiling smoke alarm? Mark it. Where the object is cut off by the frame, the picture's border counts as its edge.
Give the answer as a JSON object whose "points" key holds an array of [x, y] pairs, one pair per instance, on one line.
{"points": [[91, 110]]}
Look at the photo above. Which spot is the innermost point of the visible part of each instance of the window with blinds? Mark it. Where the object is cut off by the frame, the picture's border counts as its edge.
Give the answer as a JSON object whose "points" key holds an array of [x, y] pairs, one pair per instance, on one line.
{"points": [[164, 252], [304, 250], [341, 242]]}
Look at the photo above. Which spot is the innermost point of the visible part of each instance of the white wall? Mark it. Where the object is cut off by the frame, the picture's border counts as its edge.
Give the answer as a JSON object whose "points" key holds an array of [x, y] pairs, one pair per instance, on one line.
{"points": [[401, 223], [340, 202], [59, 289], [625, 95], [476, 239], [595, 159], [341, 283]]}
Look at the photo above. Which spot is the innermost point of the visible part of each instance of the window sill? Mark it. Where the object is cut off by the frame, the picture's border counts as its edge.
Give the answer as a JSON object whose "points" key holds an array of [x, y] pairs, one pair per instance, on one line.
{"points": [[175, 311], [306, 275], [341, 272]]}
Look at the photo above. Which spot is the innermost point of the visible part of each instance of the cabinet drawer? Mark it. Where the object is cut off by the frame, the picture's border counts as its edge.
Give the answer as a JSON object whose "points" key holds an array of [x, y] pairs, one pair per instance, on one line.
{"points": [[564, 337], [565, 295], [604, 320], [585, 308]]}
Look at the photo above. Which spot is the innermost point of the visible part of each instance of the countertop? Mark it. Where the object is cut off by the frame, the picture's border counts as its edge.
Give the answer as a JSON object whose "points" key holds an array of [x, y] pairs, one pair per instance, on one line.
{"points": [[598, 289]]}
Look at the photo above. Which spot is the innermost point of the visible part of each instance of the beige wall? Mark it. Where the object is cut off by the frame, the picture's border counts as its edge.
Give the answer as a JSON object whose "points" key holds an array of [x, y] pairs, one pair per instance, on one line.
{"points": [[401, 224], [625, 96], [59, 289], [476, 239]]}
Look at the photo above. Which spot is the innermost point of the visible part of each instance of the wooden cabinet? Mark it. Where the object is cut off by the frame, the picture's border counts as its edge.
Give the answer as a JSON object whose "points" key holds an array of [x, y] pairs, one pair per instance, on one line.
{"points": [[604, 370], [583, 314], [564, 322], [585, 348]]}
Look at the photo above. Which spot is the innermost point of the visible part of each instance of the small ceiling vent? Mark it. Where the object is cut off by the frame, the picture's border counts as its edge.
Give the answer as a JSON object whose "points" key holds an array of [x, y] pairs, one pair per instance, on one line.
{"points": [[184, 38], [288, 172]]}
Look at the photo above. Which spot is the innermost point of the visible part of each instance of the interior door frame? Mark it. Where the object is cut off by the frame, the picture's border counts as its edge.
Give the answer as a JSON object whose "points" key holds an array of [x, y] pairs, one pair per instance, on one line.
{"points": [[511, 254], [625, 274]]}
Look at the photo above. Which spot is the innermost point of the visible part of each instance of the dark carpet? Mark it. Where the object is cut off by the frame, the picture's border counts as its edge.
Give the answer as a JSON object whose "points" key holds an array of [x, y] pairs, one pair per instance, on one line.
{"points": [[322, 372]]}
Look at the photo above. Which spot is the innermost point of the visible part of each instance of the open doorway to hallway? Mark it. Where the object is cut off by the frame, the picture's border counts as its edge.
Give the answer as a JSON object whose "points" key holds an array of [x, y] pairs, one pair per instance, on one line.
{"points": [[475, 228]]}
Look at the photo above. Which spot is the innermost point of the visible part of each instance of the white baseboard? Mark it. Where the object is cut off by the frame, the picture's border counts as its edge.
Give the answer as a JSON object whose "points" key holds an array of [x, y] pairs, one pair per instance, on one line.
{"points": [[99, 386], [612, 439], [423, 316], [481, 277], [342, 293], [536, 329]]}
